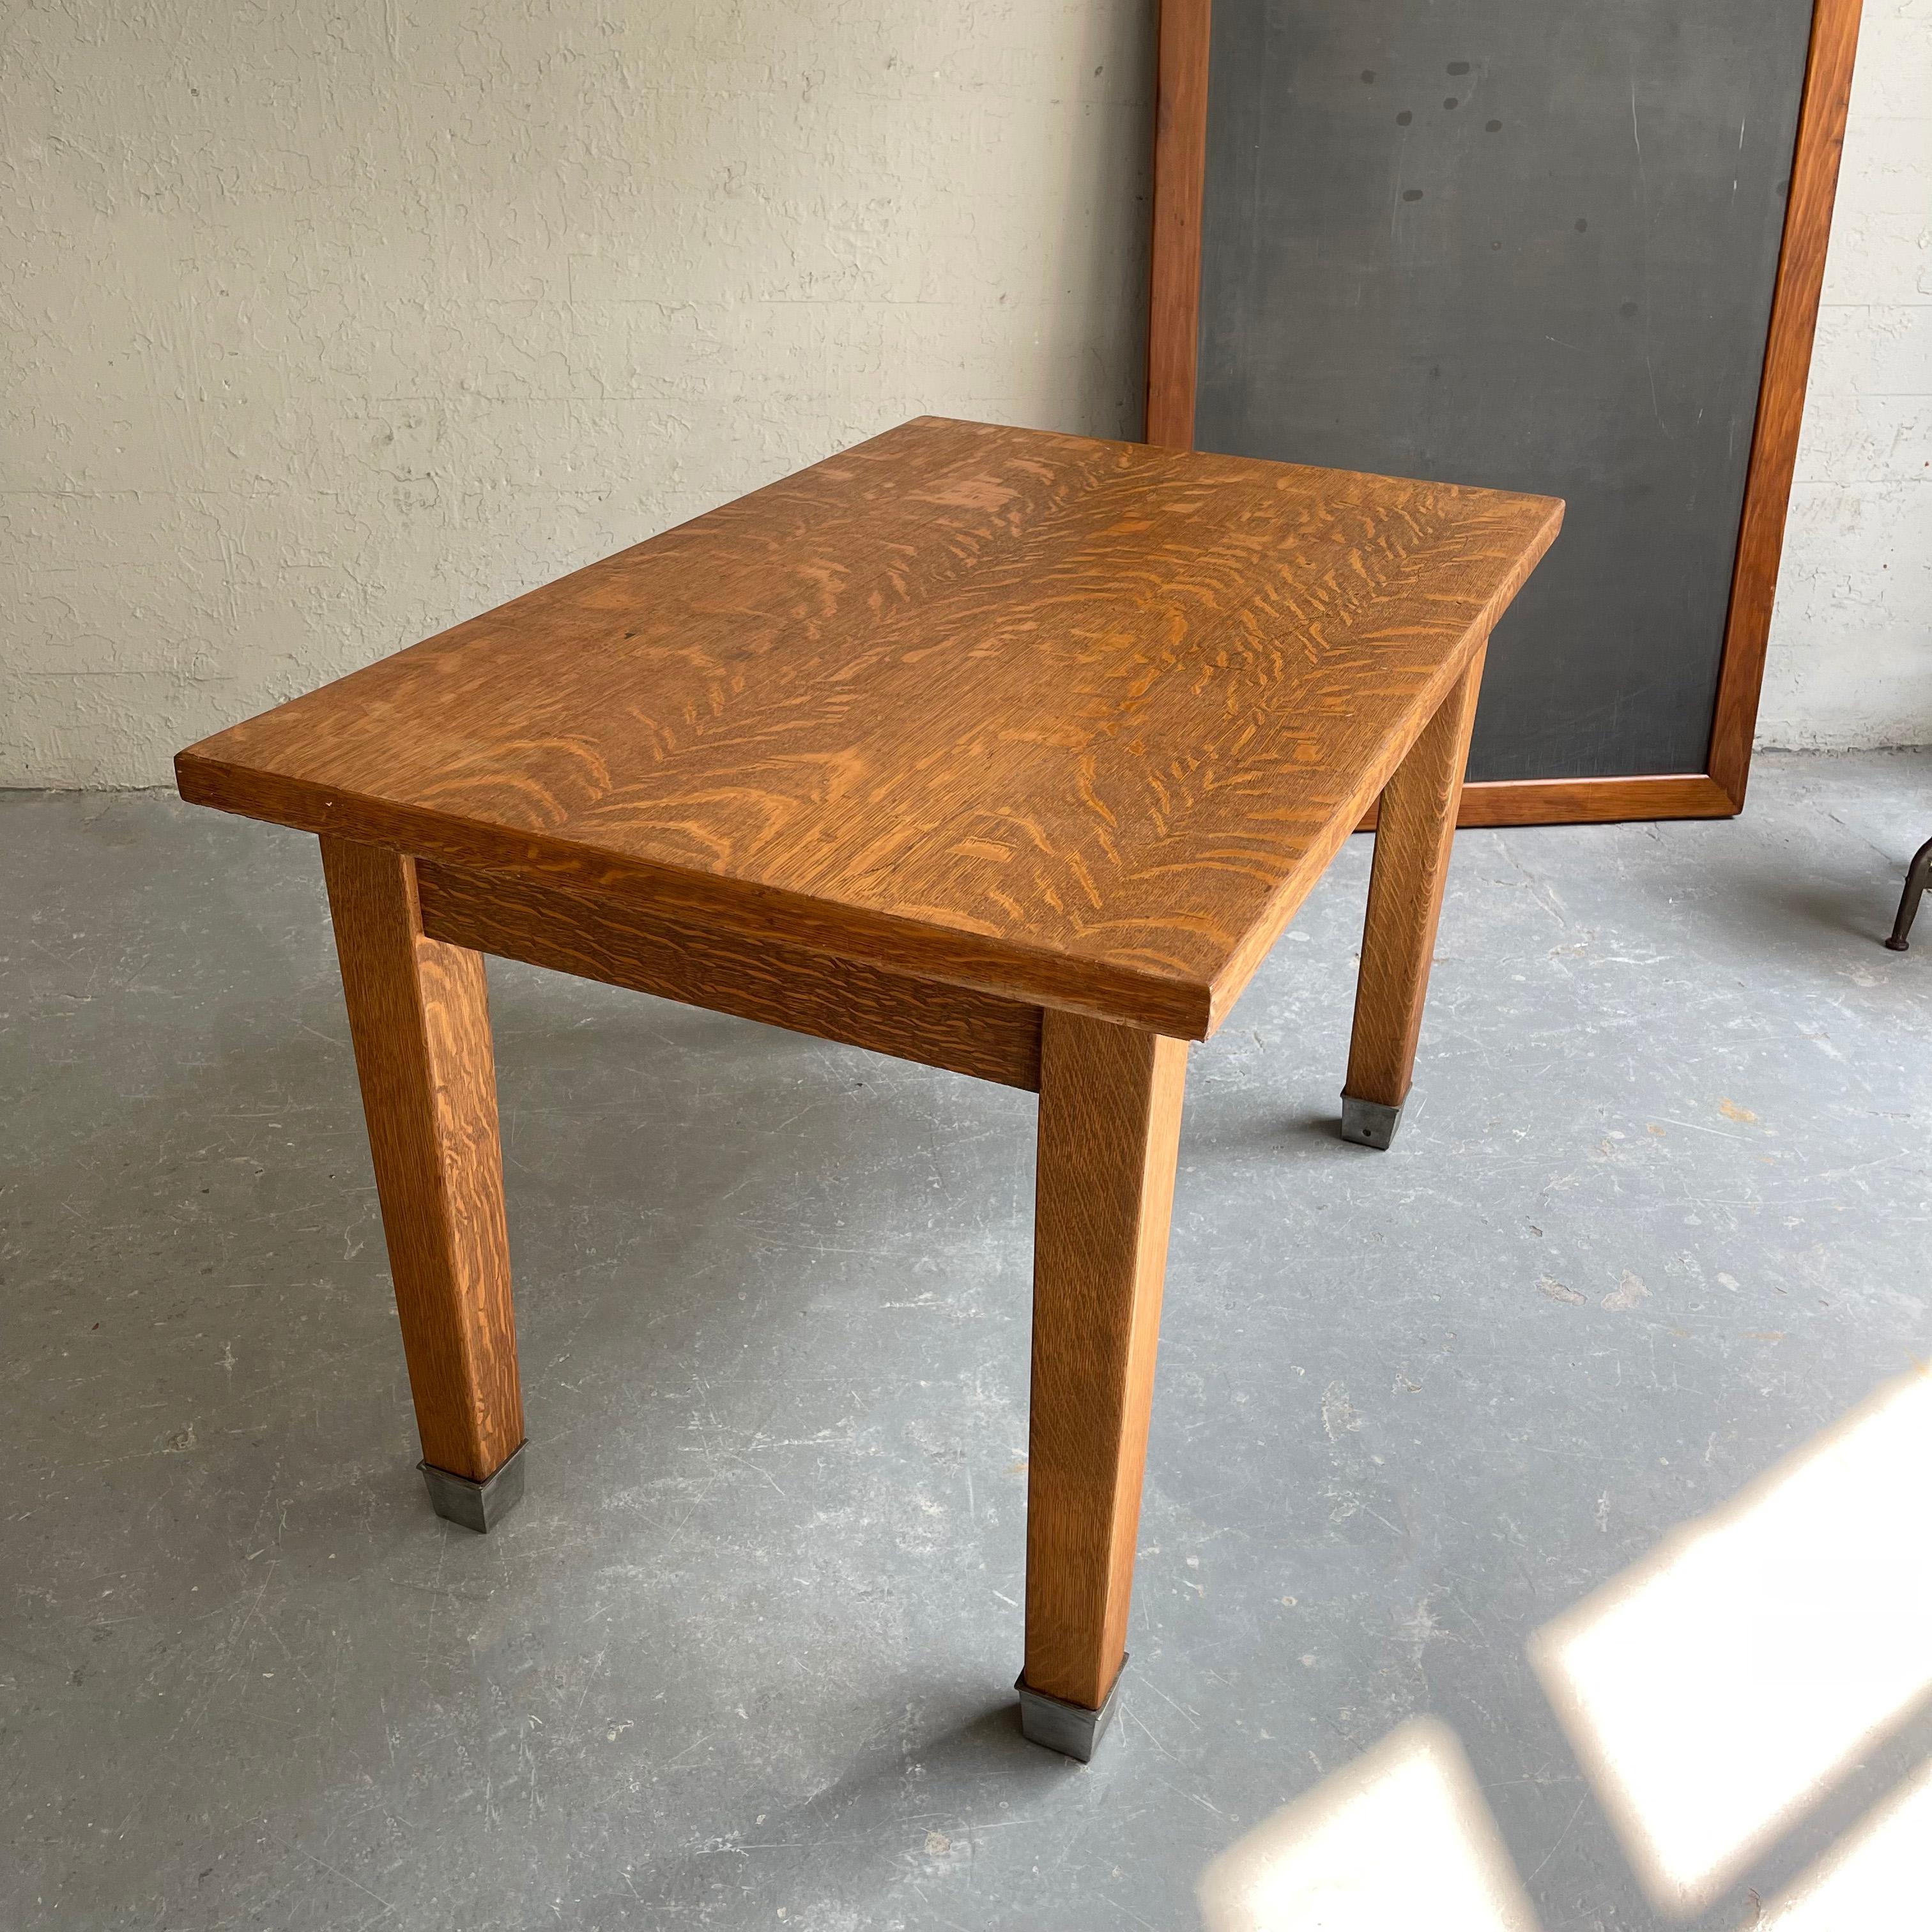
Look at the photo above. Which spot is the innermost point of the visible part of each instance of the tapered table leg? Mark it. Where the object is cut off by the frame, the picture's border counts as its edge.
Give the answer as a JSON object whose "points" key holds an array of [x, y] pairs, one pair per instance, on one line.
{"points": [[1109, 1126], [1414, 825], [418, 1012]]}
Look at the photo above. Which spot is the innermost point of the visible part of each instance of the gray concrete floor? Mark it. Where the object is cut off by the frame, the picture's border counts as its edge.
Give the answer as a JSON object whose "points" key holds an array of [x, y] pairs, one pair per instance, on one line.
{"points": [[1658, 1216]]}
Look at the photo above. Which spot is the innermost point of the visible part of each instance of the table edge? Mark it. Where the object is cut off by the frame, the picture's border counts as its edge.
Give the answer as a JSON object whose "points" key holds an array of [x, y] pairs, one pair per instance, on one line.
{"points": [[1175, 1004]]}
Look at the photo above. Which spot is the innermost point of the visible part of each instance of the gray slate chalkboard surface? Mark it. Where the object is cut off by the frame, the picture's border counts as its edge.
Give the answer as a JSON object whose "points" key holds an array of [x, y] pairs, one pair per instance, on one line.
{"points": [[1528, 244]]}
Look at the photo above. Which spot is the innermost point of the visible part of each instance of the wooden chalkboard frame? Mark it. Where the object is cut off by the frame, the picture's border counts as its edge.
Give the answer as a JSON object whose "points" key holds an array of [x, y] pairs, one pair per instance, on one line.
{"points": [[1174, 315]]}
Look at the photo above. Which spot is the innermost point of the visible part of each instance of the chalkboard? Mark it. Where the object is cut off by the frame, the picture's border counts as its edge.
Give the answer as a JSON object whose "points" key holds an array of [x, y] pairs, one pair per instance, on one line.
{"points": [[1527, 245]]}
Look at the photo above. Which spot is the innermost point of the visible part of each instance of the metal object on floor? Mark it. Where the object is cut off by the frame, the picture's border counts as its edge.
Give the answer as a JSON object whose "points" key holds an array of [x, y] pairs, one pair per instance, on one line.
{"points": [[1917, 876], [477, 1506], [1071, 1730], [1368, 1123]]}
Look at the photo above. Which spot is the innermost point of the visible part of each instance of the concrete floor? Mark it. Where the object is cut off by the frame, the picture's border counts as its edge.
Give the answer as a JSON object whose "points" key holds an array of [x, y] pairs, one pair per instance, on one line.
{"points": [[1657, 1218]]}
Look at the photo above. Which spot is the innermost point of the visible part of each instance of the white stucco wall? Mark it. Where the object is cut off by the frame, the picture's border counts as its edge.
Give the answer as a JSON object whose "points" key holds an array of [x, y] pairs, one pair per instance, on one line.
{"points": [[1851, 640], [328, 322]]}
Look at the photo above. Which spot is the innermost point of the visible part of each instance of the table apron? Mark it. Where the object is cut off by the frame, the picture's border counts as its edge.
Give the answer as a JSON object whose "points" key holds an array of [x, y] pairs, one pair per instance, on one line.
{"points": [[776, 981]]}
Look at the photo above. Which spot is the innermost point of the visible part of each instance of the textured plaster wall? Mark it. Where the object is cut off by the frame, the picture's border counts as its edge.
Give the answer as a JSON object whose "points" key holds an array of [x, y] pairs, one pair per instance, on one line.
{"points": [[1851, 642], [327, 324]]}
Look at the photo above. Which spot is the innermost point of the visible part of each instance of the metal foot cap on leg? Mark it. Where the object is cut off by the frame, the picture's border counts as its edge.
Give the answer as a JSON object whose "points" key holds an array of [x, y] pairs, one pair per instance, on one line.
{"points": [[477, 1506], [1071, 1730], [1368, 1123]]}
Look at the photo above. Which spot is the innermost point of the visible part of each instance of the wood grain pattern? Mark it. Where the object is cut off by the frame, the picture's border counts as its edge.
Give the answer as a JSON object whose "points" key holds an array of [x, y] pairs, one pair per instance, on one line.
{"points": [[418, 1011], [1179, 175], [938, 1025], [1781, 407], [1077, 723], [1413, 838], [1174, 325], [1109, 1128]]}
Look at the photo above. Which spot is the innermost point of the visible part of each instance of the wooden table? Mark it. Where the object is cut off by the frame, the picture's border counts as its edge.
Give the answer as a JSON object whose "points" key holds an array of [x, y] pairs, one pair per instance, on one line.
{"points": [[1007, 752]]}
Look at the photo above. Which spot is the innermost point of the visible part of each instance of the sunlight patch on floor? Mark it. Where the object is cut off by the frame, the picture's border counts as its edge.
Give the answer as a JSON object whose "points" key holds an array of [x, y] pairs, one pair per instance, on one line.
{"points": [[1399, 1839], [1717, 1688], [1875, 1877]]}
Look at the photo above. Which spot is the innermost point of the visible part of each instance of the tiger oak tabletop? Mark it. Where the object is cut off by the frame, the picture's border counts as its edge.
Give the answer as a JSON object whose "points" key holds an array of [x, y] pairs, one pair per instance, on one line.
{"points": [[1070, 721]]}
